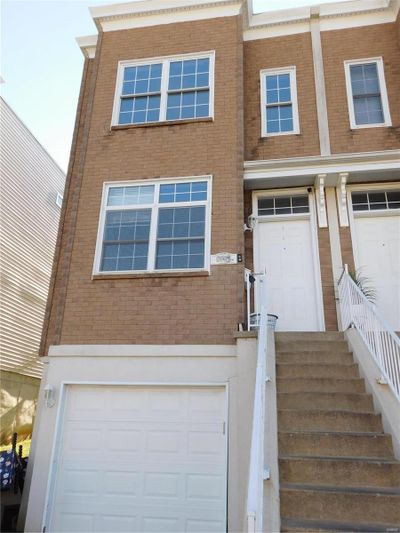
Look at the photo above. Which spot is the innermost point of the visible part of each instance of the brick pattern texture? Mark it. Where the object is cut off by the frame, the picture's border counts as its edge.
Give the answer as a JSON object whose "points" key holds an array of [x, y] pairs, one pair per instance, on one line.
{"points": [[380, 40], [174, 310], [198, 309]]}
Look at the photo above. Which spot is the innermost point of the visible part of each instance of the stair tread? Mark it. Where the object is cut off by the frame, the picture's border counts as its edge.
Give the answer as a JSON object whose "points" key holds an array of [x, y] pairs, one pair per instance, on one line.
{"points": [[348, 459], [389, 491], [327, 410], [325, 432], [328, 525], [305, 363], [327, 393]]}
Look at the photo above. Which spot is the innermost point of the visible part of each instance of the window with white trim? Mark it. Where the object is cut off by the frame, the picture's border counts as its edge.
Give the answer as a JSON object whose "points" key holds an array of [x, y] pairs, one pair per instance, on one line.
{"points": [[279, 110], [375, 200], [366, 93], [151, 227], [283, 205], [165, 89]]}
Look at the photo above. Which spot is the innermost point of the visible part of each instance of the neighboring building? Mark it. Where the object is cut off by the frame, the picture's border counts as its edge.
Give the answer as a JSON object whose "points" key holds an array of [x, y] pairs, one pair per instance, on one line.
{"points": [[194, 118], [31, 193]]}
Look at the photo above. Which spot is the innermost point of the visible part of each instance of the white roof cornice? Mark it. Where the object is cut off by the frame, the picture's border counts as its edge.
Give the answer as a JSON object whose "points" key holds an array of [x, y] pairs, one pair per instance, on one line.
{"points": [[88, 45], [157, 12]]}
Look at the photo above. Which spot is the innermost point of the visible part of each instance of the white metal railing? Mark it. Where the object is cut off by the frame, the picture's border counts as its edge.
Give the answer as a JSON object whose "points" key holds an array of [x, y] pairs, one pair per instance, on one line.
{"points": [[383, 344], [255, 492]]}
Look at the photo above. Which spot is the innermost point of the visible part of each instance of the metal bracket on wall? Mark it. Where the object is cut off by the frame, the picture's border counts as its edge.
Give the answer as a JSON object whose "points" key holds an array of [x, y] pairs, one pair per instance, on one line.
{"points": [[320, 200], [341, 194]]}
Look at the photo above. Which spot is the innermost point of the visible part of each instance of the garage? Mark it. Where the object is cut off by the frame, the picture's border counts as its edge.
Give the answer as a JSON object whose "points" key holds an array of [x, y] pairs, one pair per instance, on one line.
{"points": [[140, 458], [287, 251], [376, 241]]}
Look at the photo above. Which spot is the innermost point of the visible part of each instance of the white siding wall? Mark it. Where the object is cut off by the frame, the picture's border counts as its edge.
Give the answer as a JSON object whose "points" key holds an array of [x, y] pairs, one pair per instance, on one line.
{"points": [[29, 218]]}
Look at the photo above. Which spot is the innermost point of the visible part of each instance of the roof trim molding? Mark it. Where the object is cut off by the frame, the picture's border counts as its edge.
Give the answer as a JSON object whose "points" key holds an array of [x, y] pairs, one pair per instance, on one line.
{"points": [[88, 45], [144, 13]]}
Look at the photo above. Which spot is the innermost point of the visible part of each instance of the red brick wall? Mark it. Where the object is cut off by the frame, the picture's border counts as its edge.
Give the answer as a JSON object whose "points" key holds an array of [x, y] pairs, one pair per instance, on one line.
{"points": [[380, 40], [183, 310], [277, 52]]}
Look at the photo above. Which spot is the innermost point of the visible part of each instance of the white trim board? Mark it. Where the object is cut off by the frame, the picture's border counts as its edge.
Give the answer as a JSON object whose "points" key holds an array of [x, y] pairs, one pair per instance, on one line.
{"points": [[333, 16], [142, 350]]}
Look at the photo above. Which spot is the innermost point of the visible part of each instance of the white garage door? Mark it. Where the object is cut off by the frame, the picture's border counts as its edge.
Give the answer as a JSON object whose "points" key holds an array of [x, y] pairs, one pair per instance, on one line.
{"points": [[141, 459], [286, 253], [378, 258]]}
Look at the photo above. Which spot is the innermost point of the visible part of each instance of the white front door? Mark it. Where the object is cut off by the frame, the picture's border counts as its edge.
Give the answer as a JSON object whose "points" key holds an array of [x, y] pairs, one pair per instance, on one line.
{"points": [[141, 459], [378, 259], [286, 253]]}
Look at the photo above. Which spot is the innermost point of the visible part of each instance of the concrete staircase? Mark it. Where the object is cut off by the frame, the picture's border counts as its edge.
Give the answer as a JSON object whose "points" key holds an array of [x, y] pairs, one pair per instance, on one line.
{"points": [[336, 465]]}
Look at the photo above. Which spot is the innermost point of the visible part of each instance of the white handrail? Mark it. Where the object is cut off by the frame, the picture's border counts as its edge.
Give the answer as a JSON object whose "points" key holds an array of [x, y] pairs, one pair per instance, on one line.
{"points": [[382, 342], [255, 492]]}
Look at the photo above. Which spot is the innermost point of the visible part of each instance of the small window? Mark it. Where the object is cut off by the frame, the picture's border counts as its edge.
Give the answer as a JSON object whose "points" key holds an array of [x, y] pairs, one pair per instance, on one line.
{"points": [[376, 200], [279, 102], [177, 88], [154, 227], [59, 200], [366, 93], [283, 205]]}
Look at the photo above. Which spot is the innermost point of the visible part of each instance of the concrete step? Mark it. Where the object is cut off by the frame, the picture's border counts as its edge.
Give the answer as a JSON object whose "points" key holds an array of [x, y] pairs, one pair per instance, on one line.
{"points": [[324, 356], [323, 370], [320, 385], [311, 346], [341, 472], [330, 526], [309, 336], [381, 506], [333, 444], [325, 400], [329, 420]]}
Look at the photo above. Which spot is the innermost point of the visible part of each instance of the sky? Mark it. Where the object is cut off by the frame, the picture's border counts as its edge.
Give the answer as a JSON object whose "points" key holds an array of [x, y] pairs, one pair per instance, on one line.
{"points": [[41, 64]]}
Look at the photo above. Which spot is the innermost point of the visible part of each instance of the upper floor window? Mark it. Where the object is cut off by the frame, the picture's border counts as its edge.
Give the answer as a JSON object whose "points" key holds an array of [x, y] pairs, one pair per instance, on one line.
{"points": [[366, 93], [165, 89], [279, 111], [148, 227]]}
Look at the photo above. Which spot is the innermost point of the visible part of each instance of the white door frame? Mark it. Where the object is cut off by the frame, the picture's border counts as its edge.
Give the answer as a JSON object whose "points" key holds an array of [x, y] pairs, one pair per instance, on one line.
{"points": [[314, 238], [366, 187], [58, 431]]}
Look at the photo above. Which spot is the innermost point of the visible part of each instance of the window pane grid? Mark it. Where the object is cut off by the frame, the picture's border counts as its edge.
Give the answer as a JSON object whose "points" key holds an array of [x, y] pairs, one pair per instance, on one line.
{"points": [[278, 103], [180, 238], [187, 89], [283, 205], [366, 92], [132, 195], [183, 192], [374, 201], [158, 237], [126, 239]]}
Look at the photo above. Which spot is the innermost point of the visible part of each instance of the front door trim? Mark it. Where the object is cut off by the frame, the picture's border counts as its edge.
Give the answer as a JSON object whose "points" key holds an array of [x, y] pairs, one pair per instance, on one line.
{"points": [[314, 236]]}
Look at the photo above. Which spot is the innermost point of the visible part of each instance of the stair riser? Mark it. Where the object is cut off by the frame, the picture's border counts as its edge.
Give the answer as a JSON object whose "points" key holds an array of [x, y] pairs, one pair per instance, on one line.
{"points": [[352, 402], [292, 336], [339, 473], [317, 421], [318, 505], [311, 346], [335, 445], [316, 371], [321, 385], [335, 358]]}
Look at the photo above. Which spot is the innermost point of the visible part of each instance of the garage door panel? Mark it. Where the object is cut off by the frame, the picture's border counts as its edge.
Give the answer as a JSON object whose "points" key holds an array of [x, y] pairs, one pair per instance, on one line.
{"points": [[166, 467]]}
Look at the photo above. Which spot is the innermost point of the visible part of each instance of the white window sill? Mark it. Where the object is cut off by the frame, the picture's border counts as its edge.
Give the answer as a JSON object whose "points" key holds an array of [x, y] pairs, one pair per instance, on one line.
{"points": [[157, 274], [164, 123], [367, 126]]}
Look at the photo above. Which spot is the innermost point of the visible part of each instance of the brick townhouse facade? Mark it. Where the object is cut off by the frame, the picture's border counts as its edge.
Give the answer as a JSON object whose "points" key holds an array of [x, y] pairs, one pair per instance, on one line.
{"points": [[208, 140]]}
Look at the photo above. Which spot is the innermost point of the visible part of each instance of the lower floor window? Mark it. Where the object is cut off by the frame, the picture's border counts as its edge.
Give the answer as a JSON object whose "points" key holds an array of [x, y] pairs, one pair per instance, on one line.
{"points": [[162, 226]]}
